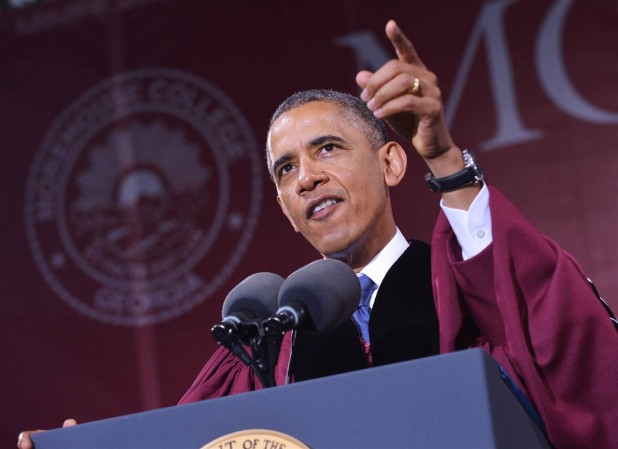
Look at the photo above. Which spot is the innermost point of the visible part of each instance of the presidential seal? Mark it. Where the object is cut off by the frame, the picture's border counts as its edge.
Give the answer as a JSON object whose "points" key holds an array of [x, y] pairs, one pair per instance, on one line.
{"points": [[256, 439], [143, 197]]}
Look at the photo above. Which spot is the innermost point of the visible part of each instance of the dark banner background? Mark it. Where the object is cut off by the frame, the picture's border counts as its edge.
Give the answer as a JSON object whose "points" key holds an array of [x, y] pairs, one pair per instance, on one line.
{"points": [[134, 191]]}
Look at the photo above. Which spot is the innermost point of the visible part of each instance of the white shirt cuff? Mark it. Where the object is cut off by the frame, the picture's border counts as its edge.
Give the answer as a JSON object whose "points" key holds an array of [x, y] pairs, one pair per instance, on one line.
{"points": [[472, 227]]}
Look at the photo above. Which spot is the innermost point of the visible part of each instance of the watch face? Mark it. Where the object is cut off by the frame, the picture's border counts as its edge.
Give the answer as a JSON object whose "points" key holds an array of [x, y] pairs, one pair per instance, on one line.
{"points": [[470, 162], [468, 158]]}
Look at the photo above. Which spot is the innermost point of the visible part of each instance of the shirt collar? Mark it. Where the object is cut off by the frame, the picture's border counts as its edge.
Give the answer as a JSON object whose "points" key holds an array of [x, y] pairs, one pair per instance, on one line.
{"points": [[377, 268]]}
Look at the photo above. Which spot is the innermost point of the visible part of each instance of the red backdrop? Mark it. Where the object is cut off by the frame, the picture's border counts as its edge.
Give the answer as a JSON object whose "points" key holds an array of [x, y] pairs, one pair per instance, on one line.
{"points": [[134, 190]]}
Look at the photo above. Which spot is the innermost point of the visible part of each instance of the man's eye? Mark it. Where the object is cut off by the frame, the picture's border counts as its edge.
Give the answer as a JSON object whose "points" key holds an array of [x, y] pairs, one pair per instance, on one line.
{"points": [[327, 148], [285, 169]]}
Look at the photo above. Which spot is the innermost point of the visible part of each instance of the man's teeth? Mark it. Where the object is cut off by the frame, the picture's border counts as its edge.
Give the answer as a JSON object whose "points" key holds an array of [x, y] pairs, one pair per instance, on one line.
{"points": [[322, 204]]}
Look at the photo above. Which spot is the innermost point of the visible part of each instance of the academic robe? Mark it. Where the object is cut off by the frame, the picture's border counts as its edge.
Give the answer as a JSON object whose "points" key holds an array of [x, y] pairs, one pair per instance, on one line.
{"points": [[528, 303], [523, 299]]}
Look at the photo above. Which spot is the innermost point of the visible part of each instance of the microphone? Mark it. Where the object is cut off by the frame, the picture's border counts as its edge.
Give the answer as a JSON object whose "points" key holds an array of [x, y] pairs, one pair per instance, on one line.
{"points": [[254, 299], [316, 298], [244, 308]]}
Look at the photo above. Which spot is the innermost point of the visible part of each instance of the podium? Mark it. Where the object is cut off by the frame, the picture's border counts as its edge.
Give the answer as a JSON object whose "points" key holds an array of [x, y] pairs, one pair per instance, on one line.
{"points": [[453, 401]]}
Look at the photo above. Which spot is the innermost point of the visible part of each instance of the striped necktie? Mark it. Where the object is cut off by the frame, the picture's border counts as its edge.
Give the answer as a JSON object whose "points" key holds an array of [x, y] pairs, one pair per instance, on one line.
{"points": [[361, 316]]}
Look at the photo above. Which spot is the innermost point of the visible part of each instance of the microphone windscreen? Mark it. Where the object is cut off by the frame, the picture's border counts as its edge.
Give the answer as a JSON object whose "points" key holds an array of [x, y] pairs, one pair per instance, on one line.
{"points": [[256, 295], [328, 290]]}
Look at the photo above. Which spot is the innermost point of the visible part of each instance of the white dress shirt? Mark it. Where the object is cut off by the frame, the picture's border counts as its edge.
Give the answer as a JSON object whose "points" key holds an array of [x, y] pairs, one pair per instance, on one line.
{"points": [[472, 227]]}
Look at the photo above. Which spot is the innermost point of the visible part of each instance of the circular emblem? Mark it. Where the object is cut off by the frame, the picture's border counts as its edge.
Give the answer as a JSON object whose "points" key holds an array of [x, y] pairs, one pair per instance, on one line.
{"points": [[143, 196], [256, 439]]}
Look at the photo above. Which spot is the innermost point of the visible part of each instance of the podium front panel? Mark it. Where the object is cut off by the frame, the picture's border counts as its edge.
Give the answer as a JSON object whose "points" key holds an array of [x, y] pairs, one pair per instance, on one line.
{"points": [[456, 400]]}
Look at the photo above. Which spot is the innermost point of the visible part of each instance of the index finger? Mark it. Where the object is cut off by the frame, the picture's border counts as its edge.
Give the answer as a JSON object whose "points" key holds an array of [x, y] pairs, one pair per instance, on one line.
{"points": [[404, 48]]}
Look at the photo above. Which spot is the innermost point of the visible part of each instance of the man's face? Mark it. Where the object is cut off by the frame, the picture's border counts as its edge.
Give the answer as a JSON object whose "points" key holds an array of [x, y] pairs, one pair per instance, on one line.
{"points": [[330, 182]]}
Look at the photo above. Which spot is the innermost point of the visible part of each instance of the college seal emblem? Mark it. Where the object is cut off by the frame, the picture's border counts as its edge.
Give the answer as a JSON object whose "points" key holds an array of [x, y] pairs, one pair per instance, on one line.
{"points": [[143, 196]]}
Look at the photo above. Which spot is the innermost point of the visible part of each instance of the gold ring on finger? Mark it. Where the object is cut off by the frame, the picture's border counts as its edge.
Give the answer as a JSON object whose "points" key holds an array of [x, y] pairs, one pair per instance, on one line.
{"points": [[416, 87]]}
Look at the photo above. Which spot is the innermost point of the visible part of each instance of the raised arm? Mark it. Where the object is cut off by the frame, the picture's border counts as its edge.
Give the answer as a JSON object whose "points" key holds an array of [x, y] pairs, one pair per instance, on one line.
{"points": [[405, 93]]}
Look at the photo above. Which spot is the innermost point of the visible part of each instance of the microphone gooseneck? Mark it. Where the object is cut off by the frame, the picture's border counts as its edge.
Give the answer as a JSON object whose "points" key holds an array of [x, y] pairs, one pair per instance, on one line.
{"points": [[245, 307]]}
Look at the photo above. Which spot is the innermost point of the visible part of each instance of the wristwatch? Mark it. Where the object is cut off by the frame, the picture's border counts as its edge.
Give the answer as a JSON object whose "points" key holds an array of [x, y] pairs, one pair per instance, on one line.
{"points": [[471, 174]]}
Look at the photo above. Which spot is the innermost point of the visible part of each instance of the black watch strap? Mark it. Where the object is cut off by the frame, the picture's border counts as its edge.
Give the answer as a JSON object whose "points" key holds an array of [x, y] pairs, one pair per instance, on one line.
{"points": [[470, 175]]}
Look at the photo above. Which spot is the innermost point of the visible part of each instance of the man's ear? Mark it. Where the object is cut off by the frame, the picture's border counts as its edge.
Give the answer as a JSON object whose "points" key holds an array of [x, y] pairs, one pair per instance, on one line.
{"points": [[395, 163], [286, 213]]}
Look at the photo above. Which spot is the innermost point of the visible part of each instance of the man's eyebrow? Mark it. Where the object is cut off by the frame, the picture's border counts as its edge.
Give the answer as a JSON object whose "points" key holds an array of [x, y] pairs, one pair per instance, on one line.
{"points": [[319, 141], [281, 161]]}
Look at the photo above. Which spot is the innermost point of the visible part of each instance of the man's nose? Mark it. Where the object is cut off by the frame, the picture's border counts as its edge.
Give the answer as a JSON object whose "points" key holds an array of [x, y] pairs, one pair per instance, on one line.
{"points": [[310, 176]]}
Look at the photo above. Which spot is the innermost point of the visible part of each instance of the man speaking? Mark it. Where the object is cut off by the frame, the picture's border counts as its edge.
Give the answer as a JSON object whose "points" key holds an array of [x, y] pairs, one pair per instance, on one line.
{"points": [[489, 279], [497, 283]]}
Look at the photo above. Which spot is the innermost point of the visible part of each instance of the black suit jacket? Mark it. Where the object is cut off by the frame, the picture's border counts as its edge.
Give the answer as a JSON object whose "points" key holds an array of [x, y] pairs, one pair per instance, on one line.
{"points": [[403, 324]]}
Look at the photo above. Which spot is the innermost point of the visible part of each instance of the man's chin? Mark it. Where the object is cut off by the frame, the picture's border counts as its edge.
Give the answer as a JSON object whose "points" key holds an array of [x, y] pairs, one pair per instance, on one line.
{"points": [[340, 250]]}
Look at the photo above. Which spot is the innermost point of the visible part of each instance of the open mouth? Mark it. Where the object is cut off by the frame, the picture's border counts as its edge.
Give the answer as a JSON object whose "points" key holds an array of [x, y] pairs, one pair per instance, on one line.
{"points": [[321, 206]]}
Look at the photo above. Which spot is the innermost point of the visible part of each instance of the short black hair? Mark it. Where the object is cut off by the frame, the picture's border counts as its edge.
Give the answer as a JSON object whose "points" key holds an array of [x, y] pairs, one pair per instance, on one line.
{"points": [[354, 107]]}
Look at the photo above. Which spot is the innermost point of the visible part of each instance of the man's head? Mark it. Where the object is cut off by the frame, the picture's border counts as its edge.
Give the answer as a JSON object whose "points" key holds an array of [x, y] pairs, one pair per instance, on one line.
{"points": [[352, 106], [332, 165]]}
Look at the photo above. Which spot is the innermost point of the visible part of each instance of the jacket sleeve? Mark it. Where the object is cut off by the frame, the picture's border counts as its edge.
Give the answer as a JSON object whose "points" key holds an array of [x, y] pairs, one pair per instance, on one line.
{"points": [[528, 303]]}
